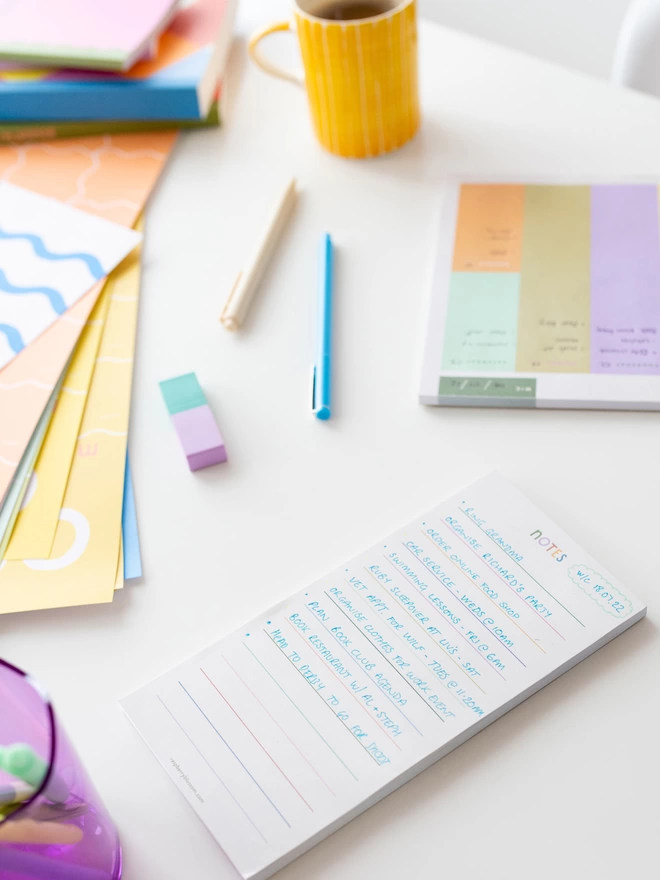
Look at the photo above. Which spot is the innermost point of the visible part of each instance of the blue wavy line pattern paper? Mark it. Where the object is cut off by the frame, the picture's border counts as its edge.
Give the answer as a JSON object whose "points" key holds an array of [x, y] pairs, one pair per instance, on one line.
{"points": [[51, 254], [42, 251], [53, 296], [13, 337]]}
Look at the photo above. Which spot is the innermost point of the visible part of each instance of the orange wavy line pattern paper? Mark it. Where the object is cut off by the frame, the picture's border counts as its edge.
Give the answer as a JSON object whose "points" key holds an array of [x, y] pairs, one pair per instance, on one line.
{"points": [[107, 175]]}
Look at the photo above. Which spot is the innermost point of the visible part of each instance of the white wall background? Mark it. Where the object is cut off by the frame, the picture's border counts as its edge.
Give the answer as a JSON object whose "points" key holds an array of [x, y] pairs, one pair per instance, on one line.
{"points": [[576, 33]]}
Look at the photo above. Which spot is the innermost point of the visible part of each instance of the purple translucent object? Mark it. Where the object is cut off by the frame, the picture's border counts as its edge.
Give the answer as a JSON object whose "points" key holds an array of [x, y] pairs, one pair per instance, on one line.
{"points": [[65, 797]]}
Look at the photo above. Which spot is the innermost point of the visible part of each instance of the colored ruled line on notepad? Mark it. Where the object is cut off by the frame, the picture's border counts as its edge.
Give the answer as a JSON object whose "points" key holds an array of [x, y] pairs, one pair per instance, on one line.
{"points": [[531, 576], [476, 616], [405, 610], [346, 651], [504, 581], [211, 768], [426, 635], [384, 656], [330, 709], [481, 592], [274, 720], [297, 707], [348, 690], [273, 805], [255, 738], [454, 628]]}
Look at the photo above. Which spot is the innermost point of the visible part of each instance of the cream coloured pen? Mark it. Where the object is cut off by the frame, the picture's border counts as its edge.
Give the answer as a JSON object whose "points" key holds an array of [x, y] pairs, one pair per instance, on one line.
{"points": [[242, 293]]}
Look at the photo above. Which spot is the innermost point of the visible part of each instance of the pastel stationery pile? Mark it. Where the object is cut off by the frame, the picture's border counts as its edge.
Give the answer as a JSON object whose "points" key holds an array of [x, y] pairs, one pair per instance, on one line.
{"points": [[109, 176], [84, 559], [193, 421], [67, 501], [179, 85], [546, 295], [285, 730]]}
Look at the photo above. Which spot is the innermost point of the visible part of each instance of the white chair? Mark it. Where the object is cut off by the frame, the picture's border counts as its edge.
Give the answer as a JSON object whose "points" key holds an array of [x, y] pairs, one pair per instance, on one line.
{"points": [[637, 54]]}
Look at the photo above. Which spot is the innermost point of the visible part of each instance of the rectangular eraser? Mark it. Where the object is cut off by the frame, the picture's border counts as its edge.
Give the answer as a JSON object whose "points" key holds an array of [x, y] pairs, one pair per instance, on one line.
{"points": [[194, 422]]}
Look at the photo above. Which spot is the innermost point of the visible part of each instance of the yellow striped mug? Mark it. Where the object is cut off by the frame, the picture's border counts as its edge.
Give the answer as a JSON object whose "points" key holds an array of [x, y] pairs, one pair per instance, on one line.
{"points": [[360, 60]]}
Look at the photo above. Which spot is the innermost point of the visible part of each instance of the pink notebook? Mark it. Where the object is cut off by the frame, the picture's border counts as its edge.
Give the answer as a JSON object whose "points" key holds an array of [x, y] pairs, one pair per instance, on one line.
{"points": [[99, 35]]}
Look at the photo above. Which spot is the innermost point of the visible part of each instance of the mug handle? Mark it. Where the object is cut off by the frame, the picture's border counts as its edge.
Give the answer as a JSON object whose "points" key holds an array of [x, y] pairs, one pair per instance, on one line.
{"points": [[261, 61]]}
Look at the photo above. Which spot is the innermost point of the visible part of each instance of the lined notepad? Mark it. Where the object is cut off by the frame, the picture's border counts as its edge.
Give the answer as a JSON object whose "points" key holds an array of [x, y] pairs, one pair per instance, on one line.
{"points": [[288, 728], [546, 295]]}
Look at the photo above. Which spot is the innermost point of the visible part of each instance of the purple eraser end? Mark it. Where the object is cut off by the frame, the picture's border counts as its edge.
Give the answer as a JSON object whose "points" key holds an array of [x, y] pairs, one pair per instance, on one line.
{"points": [[200, 437], [200, 460]]}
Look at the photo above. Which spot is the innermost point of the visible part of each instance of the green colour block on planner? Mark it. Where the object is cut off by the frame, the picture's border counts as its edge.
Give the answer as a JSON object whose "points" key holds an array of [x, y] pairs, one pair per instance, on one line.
{"points": [[182, 393], [482, 322], [476, 386]]}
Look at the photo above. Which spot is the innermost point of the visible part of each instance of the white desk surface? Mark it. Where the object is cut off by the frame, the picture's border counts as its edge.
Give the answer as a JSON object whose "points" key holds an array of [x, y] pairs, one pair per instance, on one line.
{"points": [[563, 786]]}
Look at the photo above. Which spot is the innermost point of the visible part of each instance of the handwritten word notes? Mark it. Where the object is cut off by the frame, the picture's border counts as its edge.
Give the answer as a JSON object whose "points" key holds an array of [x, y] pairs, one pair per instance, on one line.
{"points": [[50, 255], [546, 295], [286, 729]]}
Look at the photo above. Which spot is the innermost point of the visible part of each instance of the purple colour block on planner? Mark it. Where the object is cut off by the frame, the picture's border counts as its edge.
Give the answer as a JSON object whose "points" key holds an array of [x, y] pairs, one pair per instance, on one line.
{"points": [[200, 437], [625, 280]]}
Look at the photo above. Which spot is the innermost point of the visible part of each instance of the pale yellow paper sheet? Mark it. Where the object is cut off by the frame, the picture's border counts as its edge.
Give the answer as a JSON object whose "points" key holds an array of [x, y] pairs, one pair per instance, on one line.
{"points": [[36, 524], [27, 382], [83, 568], [119, 576]]}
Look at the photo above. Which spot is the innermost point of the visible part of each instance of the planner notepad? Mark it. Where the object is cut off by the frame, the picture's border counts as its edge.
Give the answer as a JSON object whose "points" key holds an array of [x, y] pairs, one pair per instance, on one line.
{"points": [[293, 725], [546, 295]]}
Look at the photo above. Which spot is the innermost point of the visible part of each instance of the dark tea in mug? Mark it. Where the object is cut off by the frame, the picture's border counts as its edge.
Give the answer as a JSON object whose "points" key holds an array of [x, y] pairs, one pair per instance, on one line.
{"points": [[351, 10]]}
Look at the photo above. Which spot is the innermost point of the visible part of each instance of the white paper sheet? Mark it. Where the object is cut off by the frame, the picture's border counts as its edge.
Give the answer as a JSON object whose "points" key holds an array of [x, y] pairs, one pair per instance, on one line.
{"points": [[283, 731], [50, 255]]}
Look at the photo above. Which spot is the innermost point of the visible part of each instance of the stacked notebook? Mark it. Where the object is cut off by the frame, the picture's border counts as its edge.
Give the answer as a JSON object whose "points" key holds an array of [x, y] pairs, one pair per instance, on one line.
{"points": [[131, 67], [70, 235], [70, 238]]}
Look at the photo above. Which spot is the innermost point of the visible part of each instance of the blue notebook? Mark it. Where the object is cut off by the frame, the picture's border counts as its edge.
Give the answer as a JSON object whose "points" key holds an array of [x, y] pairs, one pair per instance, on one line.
{"points": [[179, 83]]}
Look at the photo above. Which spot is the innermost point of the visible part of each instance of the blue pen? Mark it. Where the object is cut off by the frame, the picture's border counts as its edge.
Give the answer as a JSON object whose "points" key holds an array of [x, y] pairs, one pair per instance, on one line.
{"points": [[323, 367]]}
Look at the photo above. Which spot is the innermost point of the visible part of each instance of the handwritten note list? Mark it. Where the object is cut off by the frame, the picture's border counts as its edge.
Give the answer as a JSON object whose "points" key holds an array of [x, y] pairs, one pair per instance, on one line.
{"points": [[286, 729]]}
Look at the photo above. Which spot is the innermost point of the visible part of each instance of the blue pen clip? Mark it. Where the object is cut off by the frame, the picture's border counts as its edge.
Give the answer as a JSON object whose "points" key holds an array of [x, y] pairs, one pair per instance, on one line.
{"points": [[322, 376]]}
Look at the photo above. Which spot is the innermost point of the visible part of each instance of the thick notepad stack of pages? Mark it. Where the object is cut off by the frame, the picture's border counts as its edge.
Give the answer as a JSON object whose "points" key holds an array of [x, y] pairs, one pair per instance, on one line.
{"points": [[546, 295], [288, 728]]}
